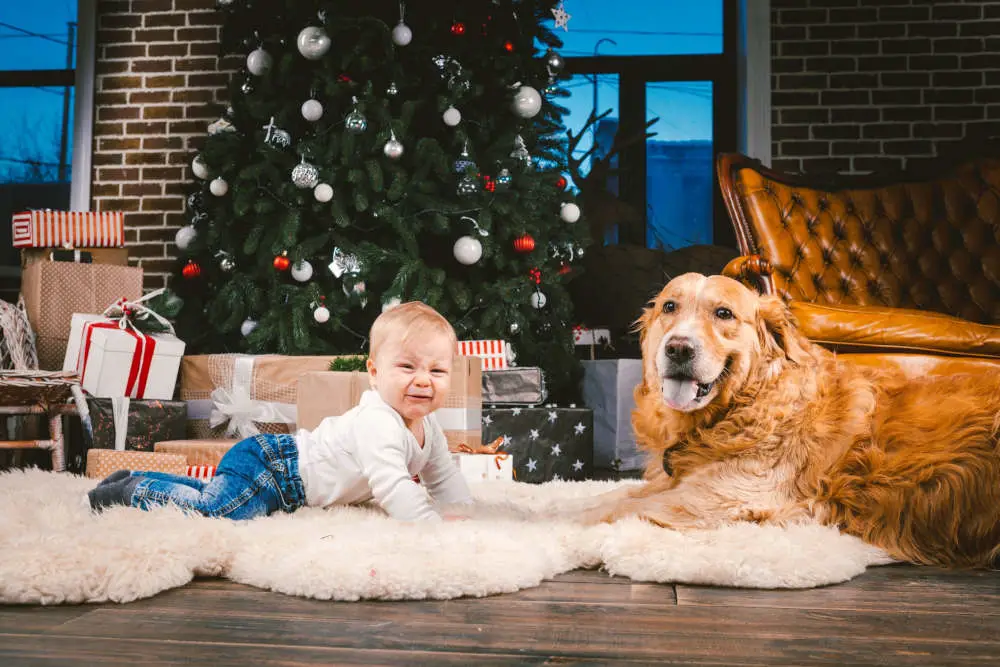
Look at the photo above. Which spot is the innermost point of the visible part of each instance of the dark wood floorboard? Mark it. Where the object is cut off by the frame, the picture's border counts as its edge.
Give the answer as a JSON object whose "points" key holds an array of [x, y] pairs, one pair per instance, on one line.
{"points": [[888, 616]]}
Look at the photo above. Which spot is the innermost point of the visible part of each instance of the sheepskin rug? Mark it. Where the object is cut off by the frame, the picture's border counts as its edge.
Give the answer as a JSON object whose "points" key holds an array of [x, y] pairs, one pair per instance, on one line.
{"points": [[56, 551]]}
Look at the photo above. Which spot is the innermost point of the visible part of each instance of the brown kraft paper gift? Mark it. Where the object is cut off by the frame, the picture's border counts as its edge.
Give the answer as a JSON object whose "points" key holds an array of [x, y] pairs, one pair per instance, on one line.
{"points": [[103, 462], [331, 394], [53, 291], [197, 452], [222, 383]]}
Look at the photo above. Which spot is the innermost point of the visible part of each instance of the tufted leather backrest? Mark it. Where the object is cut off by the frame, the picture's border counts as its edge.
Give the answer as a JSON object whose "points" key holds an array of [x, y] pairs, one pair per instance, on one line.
{"points": [[932, 244]]}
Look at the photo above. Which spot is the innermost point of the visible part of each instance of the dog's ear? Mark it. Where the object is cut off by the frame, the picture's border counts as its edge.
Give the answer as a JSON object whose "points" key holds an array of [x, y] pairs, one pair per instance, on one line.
{"points": [[779, 334]]}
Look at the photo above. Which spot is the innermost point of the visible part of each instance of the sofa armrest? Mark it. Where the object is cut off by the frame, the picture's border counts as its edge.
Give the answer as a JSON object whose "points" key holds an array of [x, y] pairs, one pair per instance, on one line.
{"points": [[753, 271]]}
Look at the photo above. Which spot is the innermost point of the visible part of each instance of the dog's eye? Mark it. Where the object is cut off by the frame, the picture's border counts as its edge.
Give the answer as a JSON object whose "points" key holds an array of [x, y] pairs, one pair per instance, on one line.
{"points": [[669, 306], [724, 313]]}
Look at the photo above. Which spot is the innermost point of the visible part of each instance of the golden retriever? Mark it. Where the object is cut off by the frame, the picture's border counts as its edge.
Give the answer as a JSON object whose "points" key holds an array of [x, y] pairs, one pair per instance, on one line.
{"points": [[746, 420]]}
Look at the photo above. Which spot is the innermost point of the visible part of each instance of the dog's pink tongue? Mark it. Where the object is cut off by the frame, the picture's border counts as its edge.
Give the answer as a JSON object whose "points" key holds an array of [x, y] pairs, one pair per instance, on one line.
{"points": [[679, 393]]}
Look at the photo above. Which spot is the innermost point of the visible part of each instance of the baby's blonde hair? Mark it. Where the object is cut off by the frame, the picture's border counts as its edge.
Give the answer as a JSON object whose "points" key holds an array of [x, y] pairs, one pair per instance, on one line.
{"points": [[404, 322]]}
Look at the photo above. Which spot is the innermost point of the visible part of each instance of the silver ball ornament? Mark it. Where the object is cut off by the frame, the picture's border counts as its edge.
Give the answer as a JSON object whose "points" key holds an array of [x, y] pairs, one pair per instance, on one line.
{"points": [[305, 175], [401, 34], [452, 116], [392, 90], [312, 110], [247, 327], [467, 186], [468, 250], [302, 271], [527, 102], [355, 122], [569, 212], [227, 264], [322, 314], [219, 187], [323, 193], [554, 61], [313, 43], [247, 87], [185, 237], [393, 148], [538, 300], [514, 327], [259, 61], [199, 168]]}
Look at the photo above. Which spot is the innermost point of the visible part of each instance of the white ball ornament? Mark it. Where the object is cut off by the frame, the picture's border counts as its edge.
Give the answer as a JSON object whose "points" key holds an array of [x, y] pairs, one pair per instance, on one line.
{"points": [[391, 303], [569, 212], [538, 300], [393, 148], [527, 102], [312, 110], [259, 61], [401, 34], [313, 43], [185, 237], [199, 168], [452, 116], [302, 271], [247, 327], [323, 192], [322, 314], [219, 187], [468, 250]]}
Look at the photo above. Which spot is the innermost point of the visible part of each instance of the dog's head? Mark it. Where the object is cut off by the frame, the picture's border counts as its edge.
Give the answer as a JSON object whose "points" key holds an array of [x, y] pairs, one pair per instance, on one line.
{"points": [[705, 338]]}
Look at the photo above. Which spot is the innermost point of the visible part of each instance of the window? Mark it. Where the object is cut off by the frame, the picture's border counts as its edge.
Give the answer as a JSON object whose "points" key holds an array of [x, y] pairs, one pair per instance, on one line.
{"points": [[668, 61]]}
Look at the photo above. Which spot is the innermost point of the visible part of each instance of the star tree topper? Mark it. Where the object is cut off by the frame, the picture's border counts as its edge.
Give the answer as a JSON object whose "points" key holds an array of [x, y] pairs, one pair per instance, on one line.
{"points": [[561, 16]]}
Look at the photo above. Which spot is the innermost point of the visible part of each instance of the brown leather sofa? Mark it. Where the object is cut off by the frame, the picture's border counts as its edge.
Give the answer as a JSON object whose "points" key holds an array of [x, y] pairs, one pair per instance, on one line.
{"points": [[903, 269]]}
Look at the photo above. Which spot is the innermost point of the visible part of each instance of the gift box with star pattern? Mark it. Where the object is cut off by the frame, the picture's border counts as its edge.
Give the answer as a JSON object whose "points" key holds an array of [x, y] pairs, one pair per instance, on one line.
{"points": [[547, 443]]}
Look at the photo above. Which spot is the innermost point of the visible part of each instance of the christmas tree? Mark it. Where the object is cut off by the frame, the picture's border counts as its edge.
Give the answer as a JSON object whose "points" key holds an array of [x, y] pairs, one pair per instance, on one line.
{"points": [[374, 153]]}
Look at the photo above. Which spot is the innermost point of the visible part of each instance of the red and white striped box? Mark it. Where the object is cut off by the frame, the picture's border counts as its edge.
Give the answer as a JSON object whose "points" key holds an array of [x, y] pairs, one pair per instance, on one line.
{"points": [[494, 353], [58, 229], [201, 472]]}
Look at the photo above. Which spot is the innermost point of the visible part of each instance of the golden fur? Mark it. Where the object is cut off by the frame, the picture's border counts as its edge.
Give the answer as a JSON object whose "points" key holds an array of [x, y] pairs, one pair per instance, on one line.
{"points": [[790, 432]]}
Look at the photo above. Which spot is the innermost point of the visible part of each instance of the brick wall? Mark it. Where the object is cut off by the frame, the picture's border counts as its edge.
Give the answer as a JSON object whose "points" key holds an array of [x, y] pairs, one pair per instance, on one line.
{"points": [[159, 84], [863, 85]]}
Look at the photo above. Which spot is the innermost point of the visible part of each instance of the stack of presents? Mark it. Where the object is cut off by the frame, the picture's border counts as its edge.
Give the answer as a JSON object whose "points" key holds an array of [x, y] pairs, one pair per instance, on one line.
{"points": [[145, 405]]}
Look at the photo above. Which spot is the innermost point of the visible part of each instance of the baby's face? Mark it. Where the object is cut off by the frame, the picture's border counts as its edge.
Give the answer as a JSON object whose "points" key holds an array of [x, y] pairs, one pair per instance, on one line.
{"points": [[414, 380]]}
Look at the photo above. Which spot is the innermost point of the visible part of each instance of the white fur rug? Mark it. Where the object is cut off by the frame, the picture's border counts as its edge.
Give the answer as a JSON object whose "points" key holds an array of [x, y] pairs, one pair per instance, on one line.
{"points": [[55, 551]]}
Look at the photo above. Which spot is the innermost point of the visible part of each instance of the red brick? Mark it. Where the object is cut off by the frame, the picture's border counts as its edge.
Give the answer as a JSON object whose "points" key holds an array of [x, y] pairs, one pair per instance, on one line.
{"points": [[187, 127], [107, 159], [119, 144], [145, 220], [162, 234], [163, 112], [106, 67], [196, 65], [119, 20], [114, 36], [163, 204], [203, 18], [117, 113], [156, 50], [118, 174], [153, 266], [165, 81], [179, 157], [161, 143], [147, 250], [199, 96], [161, 20], [163, 173], [177, 188], [204, 112], [120, 204], [120, 82], [112, 7], [216, 80], [149, 96], [153, 5], [153, 281], [145, 128], [145, 157], [108, 129], [183, 5], [105, 190], [204, 49], [175, 220], [155, 35], [198, 35], [102, 98], [155, 65], [112, 51], [141, 190]]}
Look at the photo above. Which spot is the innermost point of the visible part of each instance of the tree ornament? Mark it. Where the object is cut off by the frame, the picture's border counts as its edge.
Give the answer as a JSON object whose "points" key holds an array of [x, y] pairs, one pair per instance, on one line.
{"points": [[321, 314], [275, 136], [527, 102], [221, 125], [323, 192], [452, 116], [191, 270], [302, 271], [313, 42], [554, 62], [569, 212], [468, 250], [392, 90], [355, 122], [305, 175], [199, 168], [344, 263], [468, 186], [458, 28], [464, 161], [227, 264], [247, 86], [393, 148], [514, 327], [561, 182], [565, 269], [520, 152], [247, 327], [535, 275], [401, 34], [281, 262], [489, 184], [195, 201], [312, 110], [185, 237], [508, 46], [538, 300], [503, 179], [259, 61], [524, 243], [391, 303], [219, 187], [561, 17]]}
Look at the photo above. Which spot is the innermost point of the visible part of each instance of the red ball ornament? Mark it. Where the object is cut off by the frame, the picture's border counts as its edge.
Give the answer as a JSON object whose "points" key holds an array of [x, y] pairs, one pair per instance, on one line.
{"points": [[344, 78], [191, 270], [564, 269], [281, 262], [508, 46], [561, 182], [524, 243], [489, 184], [536, 275], [458, 28]]}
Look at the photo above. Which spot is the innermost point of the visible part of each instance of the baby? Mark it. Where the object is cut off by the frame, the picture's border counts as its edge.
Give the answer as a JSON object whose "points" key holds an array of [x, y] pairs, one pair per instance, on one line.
{"points": [[374, 450]]}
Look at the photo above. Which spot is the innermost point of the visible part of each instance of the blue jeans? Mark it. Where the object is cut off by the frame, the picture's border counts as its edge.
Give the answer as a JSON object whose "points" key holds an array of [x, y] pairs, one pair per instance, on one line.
{"points": [[257, 477]]}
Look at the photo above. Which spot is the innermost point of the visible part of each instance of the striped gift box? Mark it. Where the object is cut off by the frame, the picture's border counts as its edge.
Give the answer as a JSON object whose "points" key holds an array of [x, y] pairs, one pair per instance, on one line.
{"points": [[492, 352], [201, 472], [56, 229]]}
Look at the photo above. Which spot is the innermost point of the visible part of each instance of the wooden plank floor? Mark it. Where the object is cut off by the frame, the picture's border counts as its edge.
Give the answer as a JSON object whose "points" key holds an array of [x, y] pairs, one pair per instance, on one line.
{"points": [[896, 615]]}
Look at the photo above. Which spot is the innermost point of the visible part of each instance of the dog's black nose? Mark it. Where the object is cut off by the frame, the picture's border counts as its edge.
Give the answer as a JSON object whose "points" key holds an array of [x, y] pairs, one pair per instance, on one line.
{"points": [[680, 350]]}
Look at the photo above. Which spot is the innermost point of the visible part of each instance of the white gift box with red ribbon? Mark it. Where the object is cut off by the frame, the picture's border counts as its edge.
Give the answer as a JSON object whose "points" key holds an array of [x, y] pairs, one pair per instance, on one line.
{"points": [[496, 354], [113, 358], [484, 467]]}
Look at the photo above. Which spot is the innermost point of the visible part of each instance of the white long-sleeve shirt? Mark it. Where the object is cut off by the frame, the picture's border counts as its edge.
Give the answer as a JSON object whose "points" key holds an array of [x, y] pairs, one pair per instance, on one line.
{"points": [[369, 453]]}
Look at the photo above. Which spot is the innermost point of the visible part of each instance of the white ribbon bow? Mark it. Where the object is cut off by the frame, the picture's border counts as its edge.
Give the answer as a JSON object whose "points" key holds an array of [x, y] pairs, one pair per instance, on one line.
{"points": [[123, 310], [234, 405]]}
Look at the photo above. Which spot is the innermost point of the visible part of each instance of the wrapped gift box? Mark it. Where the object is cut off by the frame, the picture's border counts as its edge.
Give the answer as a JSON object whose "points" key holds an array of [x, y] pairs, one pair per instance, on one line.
{"points": [[495, 354], [103, 462], [201, 472], [114, 361], [239, 395], [57, 229], [546, 443], [115, 256], [197, 452], [608, 389], [54, 291], [592, 343], [123, 423], [331, 393], [483, 467], [524, 385]]}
